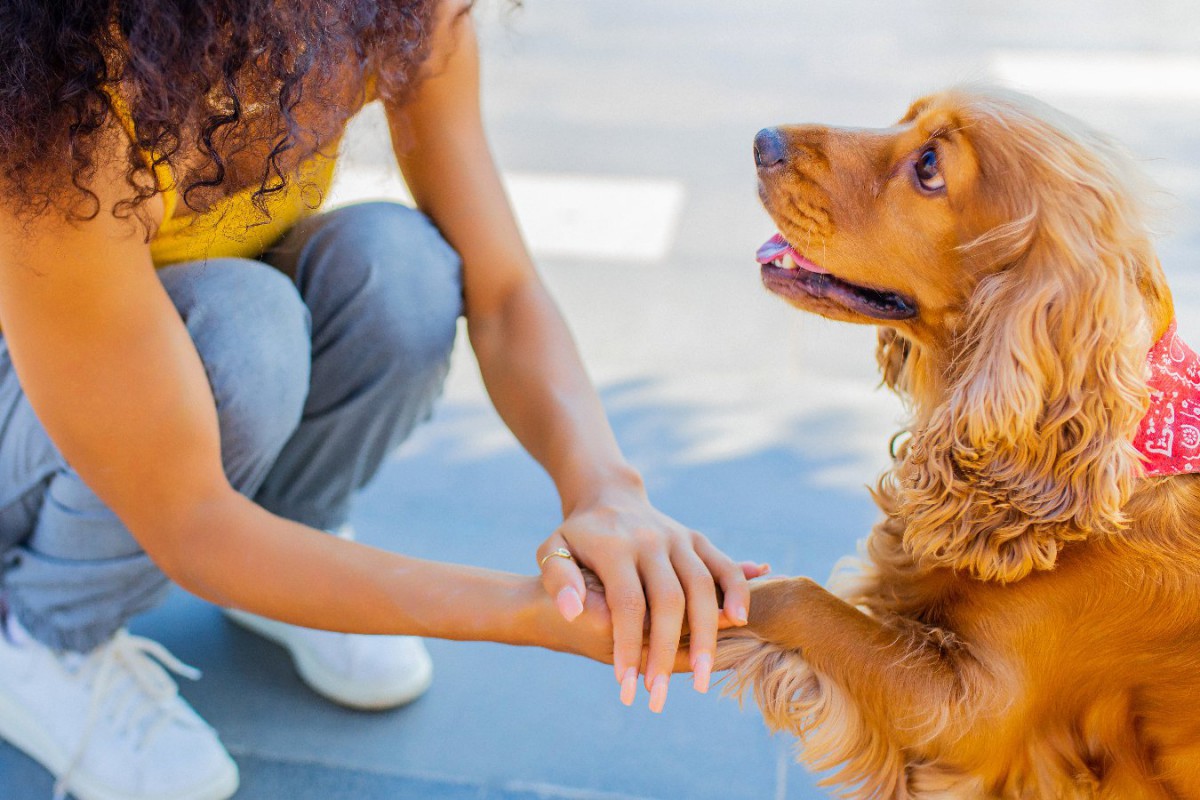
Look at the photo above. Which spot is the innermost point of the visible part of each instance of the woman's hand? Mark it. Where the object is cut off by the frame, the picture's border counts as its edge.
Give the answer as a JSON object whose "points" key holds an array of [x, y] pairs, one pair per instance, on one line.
{"points": [[588, 633], [646, 559]]}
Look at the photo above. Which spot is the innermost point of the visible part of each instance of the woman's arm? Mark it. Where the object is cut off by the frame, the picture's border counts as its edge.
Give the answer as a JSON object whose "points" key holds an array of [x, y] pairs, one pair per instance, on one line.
{"points": [[108, 367], [537, 383]]}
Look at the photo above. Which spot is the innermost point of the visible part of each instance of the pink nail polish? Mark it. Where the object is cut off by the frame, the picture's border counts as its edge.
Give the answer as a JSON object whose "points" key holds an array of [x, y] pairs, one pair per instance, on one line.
{"points": [[702, 672], [629, 686], [658, 694], [569, 604]]}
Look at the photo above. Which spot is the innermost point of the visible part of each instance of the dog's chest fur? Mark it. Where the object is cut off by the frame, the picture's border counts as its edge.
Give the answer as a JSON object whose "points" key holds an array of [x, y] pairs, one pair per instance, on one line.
{"points": [[1096, 661]]}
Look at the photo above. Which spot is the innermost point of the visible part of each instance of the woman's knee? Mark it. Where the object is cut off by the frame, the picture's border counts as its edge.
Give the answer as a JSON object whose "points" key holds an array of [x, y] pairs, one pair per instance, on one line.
{"points": [[251, 330], [410, 282]]}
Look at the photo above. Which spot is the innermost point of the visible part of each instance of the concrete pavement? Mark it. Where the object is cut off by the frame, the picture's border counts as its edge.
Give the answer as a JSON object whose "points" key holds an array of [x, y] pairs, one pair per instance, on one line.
{"points": [[753, 423]]}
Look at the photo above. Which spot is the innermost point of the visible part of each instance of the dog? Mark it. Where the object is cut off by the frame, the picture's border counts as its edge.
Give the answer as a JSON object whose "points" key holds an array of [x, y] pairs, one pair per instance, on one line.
{"points": [[1024, 621]]}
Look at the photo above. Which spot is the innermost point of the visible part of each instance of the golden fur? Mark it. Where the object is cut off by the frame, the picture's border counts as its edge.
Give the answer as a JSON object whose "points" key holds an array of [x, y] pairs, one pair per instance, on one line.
{"points": [[1025, 619]]}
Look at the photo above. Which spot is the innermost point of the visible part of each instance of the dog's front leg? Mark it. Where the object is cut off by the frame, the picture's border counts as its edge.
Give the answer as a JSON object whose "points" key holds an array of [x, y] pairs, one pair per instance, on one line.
{"points": [[859, 693], [881, 666]]}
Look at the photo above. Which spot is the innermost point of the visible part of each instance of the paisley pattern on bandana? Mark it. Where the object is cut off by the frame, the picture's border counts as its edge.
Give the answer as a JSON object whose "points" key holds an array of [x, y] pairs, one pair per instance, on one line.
{"points": [[1169, 435]]}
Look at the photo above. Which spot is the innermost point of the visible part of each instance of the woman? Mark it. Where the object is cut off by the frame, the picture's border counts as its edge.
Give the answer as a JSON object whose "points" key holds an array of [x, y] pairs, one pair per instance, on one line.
{"points": [[197, 374]]}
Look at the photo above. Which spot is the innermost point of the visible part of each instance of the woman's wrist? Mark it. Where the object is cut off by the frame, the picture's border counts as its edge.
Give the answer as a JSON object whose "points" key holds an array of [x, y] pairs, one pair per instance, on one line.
{"points": [[532, 611], [539, 623], [594, 484], [510, 609], [536, 621]]}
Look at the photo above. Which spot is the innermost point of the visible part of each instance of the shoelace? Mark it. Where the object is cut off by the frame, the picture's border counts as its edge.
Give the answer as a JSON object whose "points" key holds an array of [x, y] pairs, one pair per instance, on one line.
{"points": [[137, 660]]}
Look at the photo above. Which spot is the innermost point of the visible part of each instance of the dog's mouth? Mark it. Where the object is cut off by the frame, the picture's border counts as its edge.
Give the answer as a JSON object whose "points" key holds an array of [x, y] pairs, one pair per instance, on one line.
{"points": [[789, 274]]}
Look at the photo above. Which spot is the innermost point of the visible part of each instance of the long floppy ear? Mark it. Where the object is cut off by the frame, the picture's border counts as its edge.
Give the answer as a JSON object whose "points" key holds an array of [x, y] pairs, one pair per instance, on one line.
{"points": [[905, 367], [1030, 447], [892, 352]]}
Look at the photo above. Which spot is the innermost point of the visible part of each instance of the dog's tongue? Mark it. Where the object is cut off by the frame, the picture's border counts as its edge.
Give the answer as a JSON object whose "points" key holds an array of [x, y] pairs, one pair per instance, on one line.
{"points": [[777, 246], [772, 249]]}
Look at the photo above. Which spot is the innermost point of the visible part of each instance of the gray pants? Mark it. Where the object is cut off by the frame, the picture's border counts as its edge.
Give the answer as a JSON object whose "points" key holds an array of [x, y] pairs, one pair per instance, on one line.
{"points": [[315, 378]]}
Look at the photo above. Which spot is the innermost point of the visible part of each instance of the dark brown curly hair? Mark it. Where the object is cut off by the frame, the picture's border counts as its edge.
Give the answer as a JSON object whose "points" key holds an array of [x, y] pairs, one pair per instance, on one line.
{"points": [[209, 77]]}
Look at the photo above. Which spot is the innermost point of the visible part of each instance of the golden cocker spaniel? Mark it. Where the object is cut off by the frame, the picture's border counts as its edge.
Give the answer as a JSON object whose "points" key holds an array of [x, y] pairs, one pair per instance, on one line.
{"points": [[1025, 619]]}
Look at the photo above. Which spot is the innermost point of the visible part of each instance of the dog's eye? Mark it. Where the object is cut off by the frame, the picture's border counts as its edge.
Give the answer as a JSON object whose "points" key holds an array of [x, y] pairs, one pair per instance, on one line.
{"points": [[929, 174]]}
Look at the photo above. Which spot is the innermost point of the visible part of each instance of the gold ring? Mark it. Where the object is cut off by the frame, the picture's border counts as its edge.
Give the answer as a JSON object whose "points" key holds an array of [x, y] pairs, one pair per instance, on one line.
{"points": [[561, 552]]}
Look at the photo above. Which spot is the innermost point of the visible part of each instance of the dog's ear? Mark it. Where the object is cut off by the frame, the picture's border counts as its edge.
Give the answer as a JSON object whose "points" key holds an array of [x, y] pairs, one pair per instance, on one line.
{"points": [[891, 352], [905, 366], [1030, 444]]}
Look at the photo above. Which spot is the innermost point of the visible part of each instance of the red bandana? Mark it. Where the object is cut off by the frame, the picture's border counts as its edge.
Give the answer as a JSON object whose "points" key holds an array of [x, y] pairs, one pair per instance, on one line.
{"points": [[1169, 435]]}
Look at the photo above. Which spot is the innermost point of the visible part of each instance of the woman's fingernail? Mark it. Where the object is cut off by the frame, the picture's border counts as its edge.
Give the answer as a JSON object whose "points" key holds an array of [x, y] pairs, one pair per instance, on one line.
{"points": [[763, 569], [569, 604], [658, 694], [702, 672], [629, 686], [737, 614]]}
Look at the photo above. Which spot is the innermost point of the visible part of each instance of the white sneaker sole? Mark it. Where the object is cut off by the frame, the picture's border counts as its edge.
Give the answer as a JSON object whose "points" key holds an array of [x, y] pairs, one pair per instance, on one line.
{"points": [[19, 728], [330, 685]]}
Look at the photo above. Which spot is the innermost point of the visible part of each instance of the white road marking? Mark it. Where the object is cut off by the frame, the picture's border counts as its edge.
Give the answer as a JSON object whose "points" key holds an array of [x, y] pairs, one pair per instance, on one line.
{"points": [[596, 217], [587, 217]]}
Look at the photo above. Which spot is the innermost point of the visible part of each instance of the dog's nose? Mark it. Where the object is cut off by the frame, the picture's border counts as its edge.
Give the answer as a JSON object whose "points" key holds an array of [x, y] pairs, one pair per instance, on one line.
{"points": [[769, 148]]}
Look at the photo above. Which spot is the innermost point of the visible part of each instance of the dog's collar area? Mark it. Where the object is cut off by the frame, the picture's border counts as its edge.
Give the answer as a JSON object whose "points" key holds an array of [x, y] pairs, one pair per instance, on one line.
{"points": [[1169, 435]]}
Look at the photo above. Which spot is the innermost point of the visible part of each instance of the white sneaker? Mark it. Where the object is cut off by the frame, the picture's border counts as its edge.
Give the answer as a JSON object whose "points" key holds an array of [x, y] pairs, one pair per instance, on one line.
{"points": [[356, 670], [110, 725]]}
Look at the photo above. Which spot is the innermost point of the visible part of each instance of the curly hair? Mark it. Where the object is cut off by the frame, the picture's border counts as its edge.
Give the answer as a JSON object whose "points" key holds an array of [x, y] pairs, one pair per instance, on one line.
{"points": [[210, 79]]}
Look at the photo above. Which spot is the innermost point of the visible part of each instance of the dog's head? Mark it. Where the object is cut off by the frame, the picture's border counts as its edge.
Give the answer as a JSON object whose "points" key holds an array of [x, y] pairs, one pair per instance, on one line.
{"points": [[1002, 247]]}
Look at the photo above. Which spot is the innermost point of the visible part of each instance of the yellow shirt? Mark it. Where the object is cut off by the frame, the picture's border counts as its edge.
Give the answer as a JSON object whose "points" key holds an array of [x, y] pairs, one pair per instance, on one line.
{"points": [[234, 227]]}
